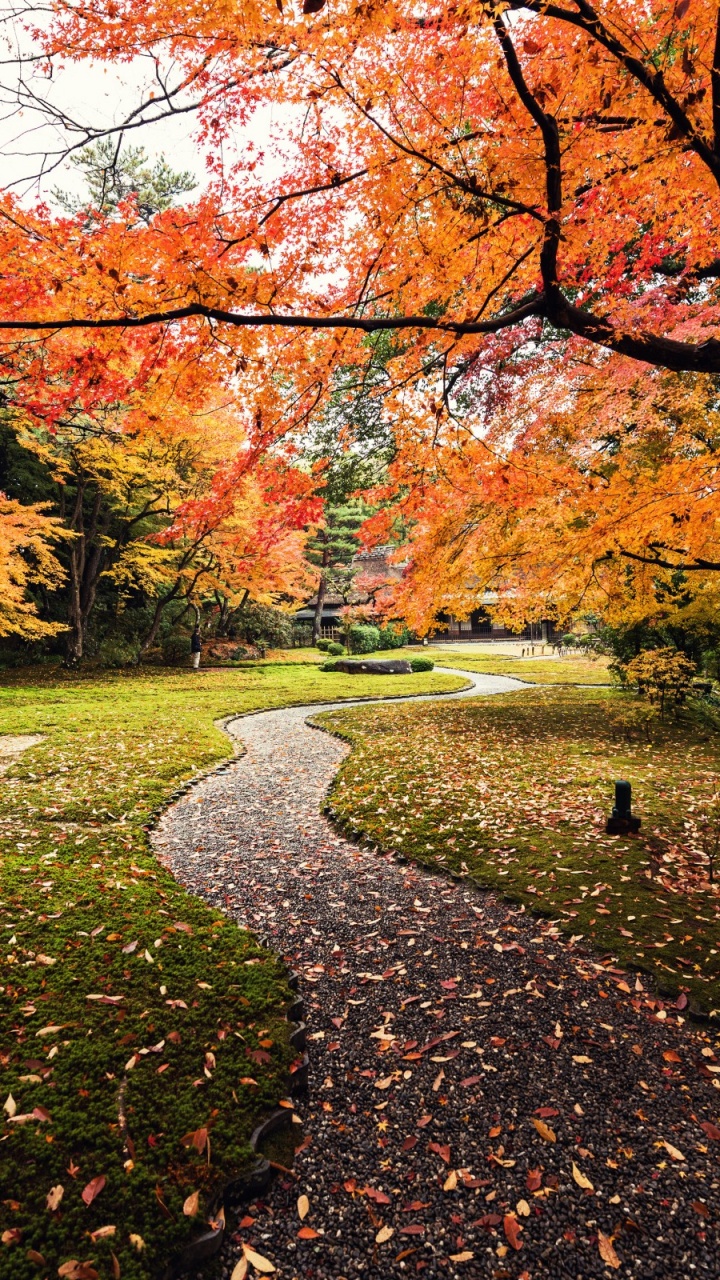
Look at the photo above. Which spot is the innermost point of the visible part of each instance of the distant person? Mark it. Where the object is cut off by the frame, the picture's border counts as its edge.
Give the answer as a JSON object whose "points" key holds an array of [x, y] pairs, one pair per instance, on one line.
{"points": [[196, 647]]}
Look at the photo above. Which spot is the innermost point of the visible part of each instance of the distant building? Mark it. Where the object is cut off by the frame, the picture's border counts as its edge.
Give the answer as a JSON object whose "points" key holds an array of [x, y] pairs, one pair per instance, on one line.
{"points": [[377, 565], [369, 567]]}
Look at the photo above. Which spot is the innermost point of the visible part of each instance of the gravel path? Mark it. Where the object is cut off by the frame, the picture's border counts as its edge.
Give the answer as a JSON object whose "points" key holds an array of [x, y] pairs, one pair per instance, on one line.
{"points": [[486, 1099]]}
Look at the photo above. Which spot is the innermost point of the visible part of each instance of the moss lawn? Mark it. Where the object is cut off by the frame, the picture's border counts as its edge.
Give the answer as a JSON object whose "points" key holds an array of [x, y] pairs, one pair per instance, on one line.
{"points": [[143, 1034], [514, 792]]}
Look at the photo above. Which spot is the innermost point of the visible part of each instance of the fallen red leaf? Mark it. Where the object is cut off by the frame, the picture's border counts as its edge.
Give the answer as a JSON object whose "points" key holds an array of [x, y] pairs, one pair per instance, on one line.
{"points": [[93, 1189], [512, 1230]]}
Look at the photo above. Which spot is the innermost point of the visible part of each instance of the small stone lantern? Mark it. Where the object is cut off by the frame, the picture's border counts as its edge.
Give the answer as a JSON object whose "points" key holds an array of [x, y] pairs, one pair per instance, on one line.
{"points": [[621, 821]]}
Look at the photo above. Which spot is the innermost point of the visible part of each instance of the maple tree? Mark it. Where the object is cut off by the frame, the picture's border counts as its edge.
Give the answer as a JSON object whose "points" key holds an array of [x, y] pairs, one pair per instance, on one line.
{"points": [[26, 560], [593, 489], [456, 172]]}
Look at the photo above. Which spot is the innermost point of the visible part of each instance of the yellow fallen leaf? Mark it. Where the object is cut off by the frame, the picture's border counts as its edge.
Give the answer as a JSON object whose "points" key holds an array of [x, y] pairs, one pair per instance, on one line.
{"points": [[385, 1233], [54, 1196], [450, 1182], [581, 1057], [462, 1257], [523, 1208], [102, 1232], [607, 1252], [257, 1261], [10, 1106], [384, 1084], [192, 1205], [672, 1151], [546, 1133], [581, 1180], [303, 1207], [137, 1241], [239, 1271]]}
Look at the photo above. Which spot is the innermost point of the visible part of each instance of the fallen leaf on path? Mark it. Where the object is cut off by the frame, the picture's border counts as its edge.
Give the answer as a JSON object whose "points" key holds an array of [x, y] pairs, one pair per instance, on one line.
{"points": [[671, 1150], [385, 1233], [257, 1261], [607, 1252], [308, 1233], [512, 1230], [581, 1180], [546, 1133], [303, 1207], [239, 1271]]}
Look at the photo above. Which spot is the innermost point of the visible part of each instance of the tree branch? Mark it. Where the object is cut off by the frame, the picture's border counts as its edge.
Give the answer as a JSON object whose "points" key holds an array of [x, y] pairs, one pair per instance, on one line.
{"points": [[553, 173], [654, 349]]}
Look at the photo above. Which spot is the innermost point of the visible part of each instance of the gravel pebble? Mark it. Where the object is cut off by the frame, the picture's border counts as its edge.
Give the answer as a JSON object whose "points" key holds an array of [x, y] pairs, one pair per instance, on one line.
{"points": [[471, 1071]]}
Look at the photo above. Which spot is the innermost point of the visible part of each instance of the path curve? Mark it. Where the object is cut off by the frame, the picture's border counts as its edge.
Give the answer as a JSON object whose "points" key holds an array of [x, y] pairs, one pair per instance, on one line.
{"points": [[446, 1027]]}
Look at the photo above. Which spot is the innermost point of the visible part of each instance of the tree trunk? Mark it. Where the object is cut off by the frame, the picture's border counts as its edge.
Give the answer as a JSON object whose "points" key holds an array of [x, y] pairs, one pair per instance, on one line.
{"points": [[87, 557], [317, 620], [322, 589], [157, 618]]}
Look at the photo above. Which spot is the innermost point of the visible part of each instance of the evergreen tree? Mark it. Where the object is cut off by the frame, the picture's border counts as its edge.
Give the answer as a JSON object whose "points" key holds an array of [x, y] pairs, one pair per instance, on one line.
{"points": [[113, 173]]}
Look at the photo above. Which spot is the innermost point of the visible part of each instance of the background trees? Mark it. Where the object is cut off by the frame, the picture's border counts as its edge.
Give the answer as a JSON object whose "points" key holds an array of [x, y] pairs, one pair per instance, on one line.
{"points": [[515, 192]]}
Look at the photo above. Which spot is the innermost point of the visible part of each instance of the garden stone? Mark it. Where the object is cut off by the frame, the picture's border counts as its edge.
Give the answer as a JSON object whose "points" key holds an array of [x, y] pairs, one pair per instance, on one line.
{"points": [[374, 666]]}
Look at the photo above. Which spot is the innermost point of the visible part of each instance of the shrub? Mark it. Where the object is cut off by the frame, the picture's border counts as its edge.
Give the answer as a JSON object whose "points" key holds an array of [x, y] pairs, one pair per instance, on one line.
{"points": [[323, 645], [393, 638], [329, 666], [261, 625], [335, 648], [118, 653], [175, 648], [422, 664], [661, 675], [363, 639]]}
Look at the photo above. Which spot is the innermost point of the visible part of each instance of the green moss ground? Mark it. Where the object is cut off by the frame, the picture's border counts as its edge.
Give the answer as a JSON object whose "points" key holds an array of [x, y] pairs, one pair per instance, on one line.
{"points": [[515, 792], [107, 962], [572, 669]]}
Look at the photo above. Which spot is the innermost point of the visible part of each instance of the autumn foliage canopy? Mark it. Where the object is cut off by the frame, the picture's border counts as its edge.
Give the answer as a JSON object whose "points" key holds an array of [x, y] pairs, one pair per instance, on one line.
{"points": [[526, 194]]}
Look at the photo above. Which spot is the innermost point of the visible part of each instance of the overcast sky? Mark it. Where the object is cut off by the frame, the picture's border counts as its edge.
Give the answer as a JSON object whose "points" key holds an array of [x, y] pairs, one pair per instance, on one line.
{"points": [[92, 94]]}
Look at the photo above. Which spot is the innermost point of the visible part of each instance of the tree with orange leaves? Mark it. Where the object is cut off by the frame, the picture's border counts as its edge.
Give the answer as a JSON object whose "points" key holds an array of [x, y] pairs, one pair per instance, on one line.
{"points": [[453, 171], [595, 490]]}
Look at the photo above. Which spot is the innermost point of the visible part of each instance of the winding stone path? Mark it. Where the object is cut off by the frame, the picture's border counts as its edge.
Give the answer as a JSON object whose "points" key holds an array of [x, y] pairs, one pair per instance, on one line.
{"points": [[477, 1083]]}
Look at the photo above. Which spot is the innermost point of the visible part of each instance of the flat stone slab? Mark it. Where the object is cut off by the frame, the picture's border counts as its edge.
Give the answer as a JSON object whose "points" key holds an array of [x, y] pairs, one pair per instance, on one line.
{"points": [[374, 666], [12, 744]]}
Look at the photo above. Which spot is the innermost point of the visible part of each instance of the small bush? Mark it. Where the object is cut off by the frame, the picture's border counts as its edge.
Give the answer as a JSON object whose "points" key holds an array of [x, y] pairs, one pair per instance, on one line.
{"points": [[363, 639], [118, 653], [329, 666], [393, 638], [175, 648], [661, 675], [323, 645], [263, 626], [336, 649], [422, 664]]}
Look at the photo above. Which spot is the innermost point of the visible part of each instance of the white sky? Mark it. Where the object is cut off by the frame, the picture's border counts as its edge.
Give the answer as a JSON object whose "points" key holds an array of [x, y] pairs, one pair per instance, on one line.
{"points": [[95, 95]]}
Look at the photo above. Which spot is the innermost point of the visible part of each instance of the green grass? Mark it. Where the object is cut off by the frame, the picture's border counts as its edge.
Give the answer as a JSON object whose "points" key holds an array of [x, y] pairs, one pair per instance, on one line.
{"points": [[570, 670], [514, 792], [86, 911]]}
